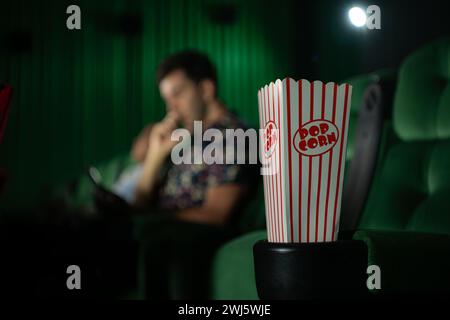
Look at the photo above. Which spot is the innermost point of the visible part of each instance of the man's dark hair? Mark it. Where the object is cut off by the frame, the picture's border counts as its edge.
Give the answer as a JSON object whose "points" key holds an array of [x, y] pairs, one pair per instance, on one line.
{"points": [[196, 65]]}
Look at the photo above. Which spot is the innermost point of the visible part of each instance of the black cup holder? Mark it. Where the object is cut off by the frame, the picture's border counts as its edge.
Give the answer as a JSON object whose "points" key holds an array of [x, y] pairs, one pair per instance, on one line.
{"points": [[310, 270]]}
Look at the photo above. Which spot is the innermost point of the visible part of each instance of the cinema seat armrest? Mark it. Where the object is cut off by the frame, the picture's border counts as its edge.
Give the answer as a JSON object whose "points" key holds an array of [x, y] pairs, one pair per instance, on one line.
{"points": [[146, 227], [409, 261]]}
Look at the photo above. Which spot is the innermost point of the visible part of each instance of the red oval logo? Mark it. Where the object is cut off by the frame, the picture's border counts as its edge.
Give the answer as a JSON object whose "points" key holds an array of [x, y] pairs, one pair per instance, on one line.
{"points": [[316, 137], [270, 138]]}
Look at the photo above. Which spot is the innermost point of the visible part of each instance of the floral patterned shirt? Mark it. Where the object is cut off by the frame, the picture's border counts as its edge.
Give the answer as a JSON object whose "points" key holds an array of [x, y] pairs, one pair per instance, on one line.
{"points": [[185, 185]]}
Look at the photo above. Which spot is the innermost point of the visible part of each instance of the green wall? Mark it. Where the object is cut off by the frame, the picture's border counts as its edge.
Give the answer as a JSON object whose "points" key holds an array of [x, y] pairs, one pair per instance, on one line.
{"points": [[81, 96]]}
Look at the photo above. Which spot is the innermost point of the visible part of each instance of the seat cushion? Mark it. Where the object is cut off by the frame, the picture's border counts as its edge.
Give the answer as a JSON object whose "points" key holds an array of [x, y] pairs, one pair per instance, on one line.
{"points": [[233, 270], [411, 190]]}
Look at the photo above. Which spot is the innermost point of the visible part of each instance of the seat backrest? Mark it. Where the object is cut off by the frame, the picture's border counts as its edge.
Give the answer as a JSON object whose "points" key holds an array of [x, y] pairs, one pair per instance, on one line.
{"points": [[5, 99], [374, 97], [411, 189], [361, 84]]}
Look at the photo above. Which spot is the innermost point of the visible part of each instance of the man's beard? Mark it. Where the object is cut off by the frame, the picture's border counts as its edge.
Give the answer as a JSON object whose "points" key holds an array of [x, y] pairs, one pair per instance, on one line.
{"points": [[199, 115]]}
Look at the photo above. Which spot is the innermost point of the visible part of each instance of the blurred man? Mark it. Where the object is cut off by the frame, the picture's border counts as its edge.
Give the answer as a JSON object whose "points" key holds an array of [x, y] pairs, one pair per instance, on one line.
{"points": [[192, 192]]}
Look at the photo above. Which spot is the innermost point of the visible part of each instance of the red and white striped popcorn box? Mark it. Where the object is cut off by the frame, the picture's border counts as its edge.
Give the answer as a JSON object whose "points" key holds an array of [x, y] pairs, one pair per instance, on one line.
{"points": [[303, 145]]}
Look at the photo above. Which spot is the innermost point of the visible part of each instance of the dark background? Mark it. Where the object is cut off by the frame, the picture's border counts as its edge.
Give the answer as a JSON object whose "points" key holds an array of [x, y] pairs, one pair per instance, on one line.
{"points": [[80, 96]]}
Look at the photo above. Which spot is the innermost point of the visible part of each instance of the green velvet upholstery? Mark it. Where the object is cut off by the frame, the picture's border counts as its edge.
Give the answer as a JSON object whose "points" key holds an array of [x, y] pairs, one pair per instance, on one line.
{"points": [[412, 188], [406, 222], [422, 99], [411, 191]]}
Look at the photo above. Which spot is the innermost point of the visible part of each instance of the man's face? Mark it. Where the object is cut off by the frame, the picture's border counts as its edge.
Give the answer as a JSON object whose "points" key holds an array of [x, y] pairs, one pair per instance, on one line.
{"points": [[183, 96]]}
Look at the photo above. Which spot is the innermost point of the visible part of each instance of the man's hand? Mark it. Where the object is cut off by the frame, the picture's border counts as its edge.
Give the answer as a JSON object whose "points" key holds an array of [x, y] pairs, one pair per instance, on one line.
{"points": [[140, 144], [159, 146], [159, 143]]}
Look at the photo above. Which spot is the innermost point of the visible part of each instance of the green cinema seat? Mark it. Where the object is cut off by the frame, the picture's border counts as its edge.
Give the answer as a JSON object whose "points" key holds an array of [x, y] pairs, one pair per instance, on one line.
{"points": [[406, 222]]}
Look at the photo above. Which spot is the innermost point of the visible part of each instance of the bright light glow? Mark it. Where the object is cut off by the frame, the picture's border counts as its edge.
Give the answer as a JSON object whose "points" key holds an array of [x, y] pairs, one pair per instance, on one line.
{"points": [[357, 16]]}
